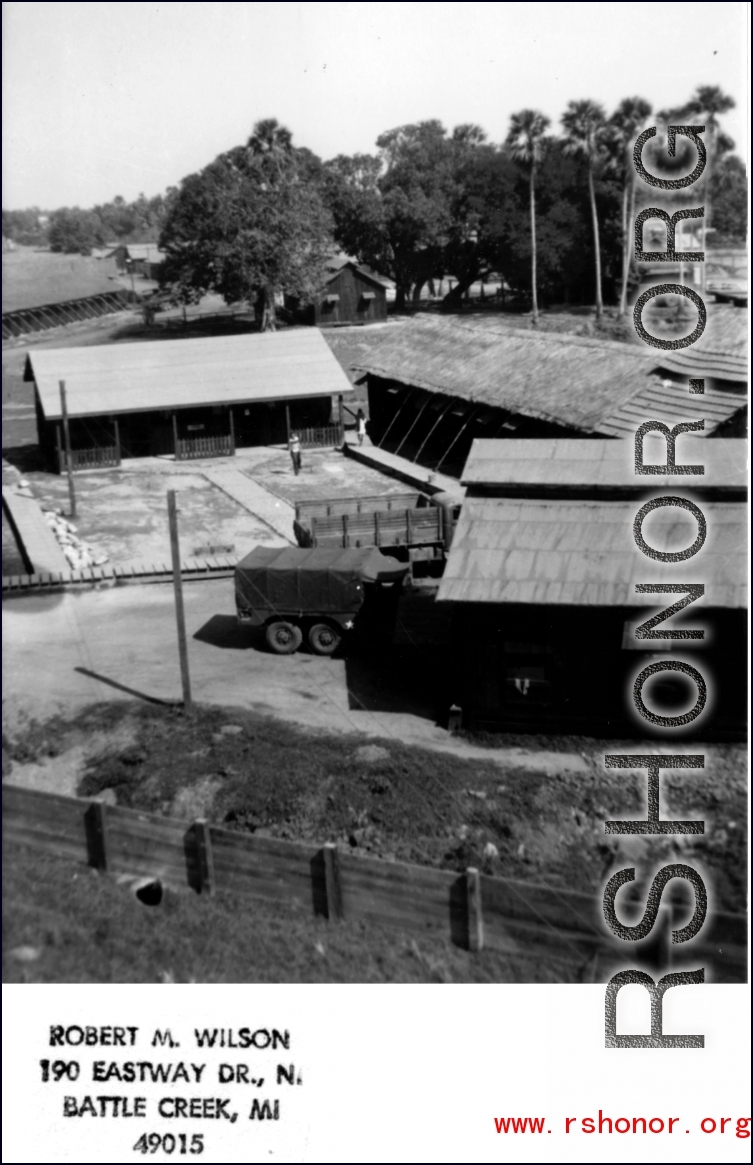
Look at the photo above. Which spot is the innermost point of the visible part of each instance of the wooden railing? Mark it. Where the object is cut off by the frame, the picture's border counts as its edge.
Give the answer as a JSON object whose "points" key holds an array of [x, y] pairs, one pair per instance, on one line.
{"points": [[193, 448], [323, 437], [97, 457], [519, 919], [380, 528]]}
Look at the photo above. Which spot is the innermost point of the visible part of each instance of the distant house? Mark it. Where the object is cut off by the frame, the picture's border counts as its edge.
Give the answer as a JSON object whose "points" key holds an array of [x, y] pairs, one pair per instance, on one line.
{"points": [[541, 579], [437, 383], [353, 295], [191, 398], [139, 258]]}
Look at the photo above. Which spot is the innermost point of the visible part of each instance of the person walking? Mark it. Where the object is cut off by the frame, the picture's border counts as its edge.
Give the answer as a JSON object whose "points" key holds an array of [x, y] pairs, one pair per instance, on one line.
{"points": [[294, 445], [360, 426]]}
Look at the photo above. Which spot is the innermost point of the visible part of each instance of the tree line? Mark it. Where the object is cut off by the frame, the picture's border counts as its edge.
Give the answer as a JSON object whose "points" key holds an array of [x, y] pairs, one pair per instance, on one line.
{"points": [[549, 213], [72, 230]]}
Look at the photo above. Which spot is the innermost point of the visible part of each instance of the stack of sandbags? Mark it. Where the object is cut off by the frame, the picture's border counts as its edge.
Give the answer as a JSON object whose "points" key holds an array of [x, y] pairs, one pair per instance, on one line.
{"points": [[79, 554]]}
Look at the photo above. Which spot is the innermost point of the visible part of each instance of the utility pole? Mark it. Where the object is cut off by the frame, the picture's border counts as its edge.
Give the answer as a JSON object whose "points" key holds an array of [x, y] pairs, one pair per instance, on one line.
{"points": [[172, 511], [68, 457]]}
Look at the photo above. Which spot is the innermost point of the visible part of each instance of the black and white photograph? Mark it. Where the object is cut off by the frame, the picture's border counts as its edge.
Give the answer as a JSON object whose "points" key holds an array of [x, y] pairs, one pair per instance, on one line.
{"points": [[375, 564]]}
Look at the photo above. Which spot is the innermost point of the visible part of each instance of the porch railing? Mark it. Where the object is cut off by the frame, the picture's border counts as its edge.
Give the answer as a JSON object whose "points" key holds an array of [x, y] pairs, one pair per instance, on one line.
{"points": [[193, 448], [97, 457], [324, 437]]}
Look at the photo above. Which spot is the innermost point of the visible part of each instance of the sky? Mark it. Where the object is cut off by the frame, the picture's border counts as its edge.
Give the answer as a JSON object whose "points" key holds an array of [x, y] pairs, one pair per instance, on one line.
{"points": [[105, 99]]}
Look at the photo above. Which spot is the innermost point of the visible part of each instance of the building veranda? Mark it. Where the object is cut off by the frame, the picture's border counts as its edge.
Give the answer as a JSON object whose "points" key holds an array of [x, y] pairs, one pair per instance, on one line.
{"points": [[189, 398]]}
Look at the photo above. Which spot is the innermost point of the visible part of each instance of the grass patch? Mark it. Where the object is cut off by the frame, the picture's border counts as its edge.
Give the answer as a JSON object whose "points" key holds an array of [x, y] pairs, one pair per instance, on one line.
{"points": [[64, 923]]}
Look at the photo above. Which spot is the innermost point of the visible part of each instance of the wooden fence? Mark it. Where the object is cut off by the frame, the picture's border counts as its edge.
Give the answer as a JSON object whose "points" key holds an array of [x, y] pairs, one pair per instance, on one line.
{"points": [[97, 457], [193, 448], [323, 437], [519, 919], [54, 315]]}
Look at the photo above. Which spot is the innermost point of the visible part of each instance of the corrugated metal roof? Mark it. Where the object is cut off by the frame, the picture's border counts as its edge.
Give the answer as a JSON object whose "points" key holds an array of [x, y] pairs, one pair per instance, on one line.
{"points": [[671, 403], [721, 353], [335, 266], [601, 465], [584, 554], [127, 378]]}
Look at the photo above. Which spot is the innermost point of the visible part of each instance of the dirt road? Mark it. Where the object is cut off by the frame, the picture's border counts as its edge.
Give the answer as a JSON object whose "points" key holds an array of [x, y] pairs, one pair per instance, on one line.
{"points": [[61, 652]]}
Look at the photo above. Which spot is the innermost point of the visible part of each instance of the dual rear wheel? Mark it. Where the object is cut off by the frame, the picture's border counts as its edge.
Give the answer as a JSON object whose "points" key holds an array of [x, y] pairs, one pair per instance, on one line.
{"points": [[284, 637]]}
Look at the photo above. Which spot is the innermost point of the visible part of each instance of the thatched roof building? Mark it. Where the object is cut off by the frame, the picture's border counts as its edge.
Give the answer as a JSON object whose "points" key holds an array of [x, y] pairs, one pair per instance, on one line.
{"points": [[436, 383]]}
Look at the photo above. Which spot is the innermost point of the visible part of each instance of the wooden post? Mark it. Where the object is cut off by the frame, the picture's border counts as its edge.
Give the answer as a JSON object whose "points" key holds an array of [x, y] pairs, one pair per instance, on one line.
{"points": [[346, 535], [287, 422], [172, 511], [68, 457], [332, 883], [205, 857], [232, 432], [96, 831], [175, 437], [341, 416], [117, 439], [61, 455], [475, 917]]}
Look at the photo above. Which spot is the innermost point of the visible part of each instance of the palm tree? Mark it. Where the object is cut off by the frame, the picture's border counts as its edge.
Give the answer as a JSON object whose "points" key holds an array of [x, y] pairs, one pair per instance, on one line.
{"points": [[706, 104], [525, 144], [584, 123], [271, 148], [630, 115]]}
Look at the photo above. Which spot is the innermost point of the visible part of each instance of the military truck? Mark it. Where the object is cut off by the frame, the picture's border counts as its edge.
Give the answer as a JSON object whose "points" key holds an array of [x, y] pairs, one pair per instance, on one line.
{"points": [[318, 595]]}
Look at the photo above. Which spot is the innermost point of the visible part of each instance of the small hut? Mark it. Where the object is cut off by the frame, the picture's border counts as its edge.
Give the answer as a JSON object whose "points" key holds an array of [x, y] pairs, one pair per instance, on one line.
{"points": [[353, 295]]}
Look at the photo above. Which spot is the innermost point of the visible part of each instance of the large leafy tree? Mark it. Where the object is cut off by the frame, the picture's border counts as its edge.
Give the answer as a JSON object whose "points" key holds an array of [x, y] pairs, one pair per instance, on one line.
{"points": [[584, 123], [251, 225], [525, 143], [623, 128], [74, 231], [412, 211]]}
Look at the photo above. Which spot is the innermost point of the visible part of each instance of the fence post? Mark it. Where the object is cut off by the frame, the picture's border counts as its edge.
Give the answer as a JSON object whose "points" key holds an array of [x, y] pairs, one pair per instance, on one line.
{"points": [[332, 882], [475, 915], [68, 454], [205, 857], [95, 823], [172, 511], [341, 419]]}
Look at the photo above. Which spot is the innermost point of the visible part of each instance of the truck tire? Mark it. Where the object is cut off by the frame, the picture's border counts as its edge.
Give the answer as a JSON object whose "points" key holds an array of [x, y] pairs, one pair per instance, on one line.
{"points": [[324, 638], [283, 638]]}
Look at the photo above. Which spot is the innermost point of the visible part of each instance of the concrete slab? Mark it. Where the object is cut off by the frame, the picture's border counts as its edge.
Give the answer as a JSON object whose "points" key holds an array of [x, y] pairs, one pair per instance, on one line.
{"points": [[32, 532], [416, 476]]}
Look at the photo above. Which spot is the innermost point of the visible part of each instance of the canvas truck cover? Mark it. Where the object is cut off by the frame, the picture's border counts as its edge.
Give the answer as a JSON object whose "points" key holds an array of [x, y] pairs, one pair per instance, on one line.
{"points": [[301, 582]]}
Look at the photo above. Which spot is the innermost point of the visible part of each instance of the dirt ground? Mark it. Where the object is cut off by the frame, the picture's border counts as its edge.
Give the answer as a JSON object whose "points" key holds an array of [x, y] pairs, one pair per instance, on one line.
{"points": [[388, 799], [325, 474], [123, 513]]}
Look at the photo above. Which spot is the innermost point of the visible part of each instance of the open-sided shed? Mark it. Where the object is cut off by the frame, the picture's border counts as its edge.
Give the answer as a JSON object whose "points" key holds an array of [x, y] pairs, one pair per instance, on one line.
{"points": [[193, 398], [437, 383]]}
